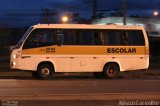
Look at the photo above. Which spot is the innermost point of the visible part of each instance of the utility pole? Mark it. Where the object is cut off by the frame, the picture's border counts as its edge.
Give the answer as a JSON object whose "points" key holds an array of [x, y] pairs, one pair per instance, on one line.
{"points": [[48, 15], [94, 9], [124, 12]]}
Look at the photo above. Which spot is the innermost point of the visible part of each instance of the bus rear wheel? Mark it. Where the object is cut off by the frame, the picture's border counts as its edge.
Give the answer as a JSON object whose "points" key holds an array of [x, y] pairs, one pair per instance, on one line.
{"points": [[111, 71], [45, 71]]}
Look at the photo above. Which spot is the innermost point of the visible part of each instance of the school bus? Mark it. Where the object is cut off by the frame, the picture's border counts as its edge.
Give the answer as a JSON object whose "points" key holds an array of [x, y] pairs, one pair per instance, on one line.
{"points": [[104, 50]]}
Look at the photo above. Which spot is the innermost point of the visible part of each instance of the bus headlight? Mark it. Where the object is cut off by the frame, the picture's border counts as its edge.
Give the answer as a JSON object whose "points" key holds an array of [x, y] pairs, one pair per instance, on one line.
{"points": [[14, 56], [14, 63]]}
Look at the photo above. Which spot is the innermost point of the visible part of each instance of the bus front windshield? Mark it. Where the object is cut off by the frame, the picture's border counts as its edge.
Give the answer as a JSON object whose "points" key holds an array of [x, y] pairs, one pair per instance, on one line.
{"points": [[23, 38]]}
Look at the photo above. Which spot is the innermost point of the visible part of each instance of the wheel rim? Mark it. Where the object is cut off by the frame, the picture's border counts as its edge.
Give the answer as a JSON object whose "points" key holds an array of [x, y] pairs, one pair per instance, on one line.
{"points": [[111, 71], [45, 72]]}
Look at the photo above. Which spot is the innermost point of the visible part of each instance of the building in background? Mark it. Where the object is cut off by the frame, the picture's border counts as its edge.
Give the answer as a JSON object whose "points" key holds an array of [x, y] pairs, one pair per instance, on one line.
{"points": [[152, 25]]}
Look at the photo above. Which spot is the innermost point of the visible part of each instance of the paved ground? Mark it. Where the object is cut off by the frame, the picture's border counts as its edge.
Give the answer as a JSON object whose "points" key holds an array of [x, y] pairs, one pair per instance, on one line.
{"points": [[79, 91], [49, 89]]}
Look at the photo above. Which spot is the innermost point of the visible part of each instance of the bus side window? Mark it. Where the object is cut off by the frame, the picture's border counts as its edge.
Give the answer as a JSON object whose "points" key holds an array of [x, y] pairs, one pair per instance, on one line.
{"points": [[114, 37], [39, 38], [87, 37], [125, 38], [136, 38], [97, 38], [104, 36], [60, 37]]}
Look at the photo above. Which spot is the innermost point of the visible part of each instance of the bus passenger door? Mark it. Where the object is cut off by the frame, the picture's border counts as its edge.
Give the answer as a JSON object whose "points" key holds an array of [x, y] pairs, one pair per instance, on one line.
{"points": [[63, 59]]}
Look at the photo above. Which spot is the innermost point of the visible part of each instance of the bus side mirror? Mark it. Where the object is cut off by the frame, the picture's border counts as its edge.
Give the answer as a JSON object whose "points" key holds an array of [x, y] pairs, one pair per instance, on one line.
{"points": [[60, 40]]}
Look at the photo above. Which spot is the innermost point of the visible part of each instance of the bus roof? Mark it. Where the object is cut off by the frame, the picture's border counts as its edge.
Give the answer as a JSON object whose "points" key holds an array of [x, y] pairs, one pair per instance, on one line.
{"points": [[86, 26]]}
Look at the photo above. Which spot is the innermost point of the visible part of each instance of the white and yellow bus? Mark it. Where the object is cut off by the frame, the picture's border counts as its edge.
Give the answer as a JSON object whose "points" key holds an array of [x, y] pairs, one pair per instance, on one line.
{"points": [[104, 50]]}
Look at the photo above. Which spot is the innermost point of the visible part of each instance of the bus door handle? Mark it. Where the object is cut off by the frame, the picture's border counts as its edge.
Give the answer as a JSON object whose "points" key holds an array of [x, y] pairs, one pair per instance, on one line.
{"points": [[23, 57]]}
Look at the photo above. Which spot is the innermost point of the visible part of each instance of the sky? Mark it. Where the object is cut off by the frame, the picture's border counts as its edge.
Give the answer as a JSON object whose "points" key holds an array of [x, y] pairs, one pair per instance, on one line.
{"points": [[20, 13]]}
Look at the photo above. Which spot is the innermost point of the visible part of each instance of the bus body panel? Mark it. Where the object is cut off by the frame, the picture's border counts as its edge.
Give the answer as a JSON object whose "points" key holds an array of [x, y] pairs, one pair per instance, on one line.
{"points": [[79, 58], [64, 61]]}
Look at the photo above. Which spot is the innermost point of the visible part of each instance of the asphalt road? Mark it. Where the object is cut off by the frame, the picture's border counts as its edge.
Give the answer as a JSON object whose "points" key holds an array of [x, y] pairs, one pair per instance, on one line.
{"points": [[80, 89], [78, 92]]}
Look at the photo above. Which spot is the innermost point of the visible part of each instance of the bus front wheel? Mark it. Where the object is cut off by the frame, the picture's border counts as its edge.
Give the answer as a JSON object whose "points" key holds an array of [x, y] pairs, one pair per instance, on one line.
{"points": [[45, 71], [111, 70]]}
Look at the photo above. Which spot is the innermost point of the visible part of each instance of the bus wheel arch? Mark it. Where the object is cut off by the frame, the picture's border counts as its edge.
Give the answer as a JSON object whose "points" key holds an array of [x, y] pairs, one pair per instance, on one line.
{"points": [[111, 70], [45, 70]]}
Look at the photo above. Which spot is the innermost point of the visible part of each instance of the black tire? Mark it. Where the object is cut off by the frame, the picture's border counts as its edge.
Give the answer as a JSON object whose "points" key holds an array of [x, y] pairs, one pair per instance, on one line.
{"points": [[45, 71], [111, 71], [98, 75]]}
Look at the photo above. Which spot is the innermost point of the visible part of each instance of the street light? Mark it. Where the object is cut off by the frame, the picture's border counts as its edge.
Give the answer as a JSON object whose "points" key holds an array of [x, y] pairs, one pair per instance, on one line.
{"points": [[155, 13], [65, 19]]}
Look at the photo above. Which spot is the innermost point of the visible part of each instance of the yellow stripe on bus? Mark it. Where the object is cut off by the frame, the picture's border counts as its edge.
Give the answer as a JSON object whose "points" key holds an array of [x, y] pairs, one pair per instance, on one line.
{"points": [[87, 50]]}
